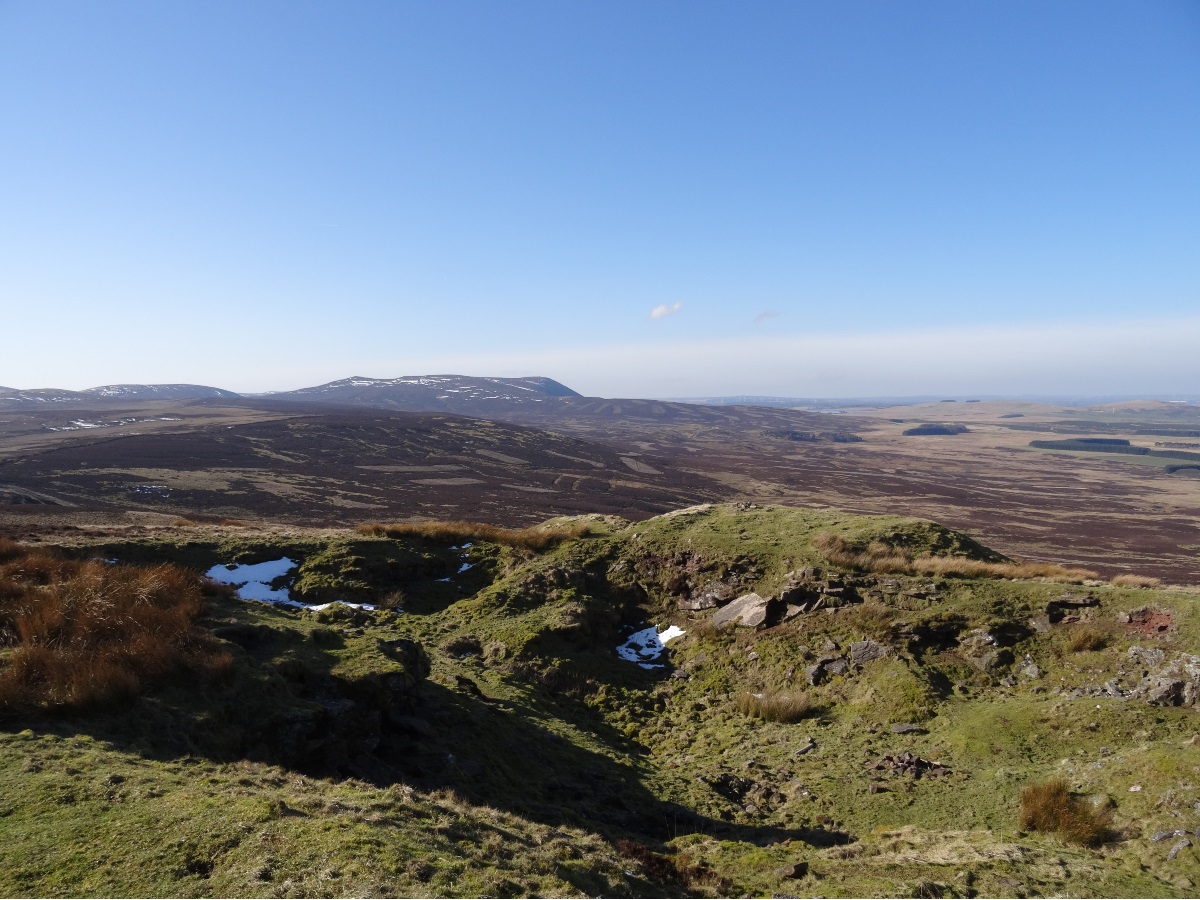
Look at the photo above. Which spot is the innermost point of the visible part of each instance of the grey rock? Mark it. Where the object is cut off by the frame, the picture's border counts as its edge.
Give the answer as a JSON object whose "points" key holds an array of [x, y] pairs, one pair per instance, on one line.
{"points": [[795, 870], [985, 662], [862, 652], [1165, 692], [748, 611], [907, 728], [1181, 844], [710, 596], [1147, 657], [838, 666], [1163, 835], [807, 747]]}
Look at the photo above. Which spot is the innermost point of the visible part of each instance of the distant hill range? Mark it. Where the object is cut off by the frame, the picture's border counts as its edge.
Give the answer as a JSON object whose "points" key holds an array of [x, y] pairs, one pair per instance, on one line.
{"points": [[15, 398], [532, 400]]}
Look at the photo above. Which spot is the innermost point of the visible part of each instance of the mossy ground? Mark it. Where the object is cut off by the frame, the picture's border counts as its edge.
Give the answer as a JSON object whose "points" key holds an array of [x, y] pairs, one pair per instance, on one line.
{"points": [[532, 752]]}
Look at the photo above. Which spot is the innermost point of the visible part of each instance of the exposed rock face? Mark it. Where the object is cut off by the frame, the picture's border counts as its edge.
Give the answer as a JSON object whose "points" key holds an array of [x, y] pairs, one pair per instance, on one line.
{"points": [[748, 611]]}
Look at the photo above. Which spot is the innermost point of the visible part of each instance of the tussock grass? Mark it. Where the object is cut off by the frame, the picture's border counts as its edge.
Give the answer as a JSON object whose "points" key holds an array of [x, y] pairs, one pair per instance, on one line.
{"points": [[1089, 637], [86, 634], [536, 538], [885, 559], [1048, 806], [1135, 581], [784, 708]]}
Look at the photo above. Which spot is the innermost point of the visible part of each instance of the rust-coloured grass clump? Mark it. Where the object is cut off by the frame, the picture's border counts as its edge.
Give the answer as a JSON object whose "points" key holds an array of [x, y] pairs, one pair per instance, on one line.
{"points": [[784, 708], [1049, 806], [75, 635]]}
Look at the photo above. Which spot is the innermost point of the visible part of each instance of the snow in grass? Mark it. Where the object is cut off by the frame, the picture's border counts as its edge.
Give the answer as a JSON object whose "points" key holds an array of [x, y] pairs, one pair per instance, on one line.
{"points": [[253, 582], [645, 646]]}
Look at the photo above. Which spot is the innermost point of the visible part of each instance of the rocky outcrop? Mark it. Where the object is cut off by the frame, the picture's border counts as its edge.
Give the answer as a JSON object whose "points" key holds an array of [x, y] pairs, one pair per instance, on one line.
{"points": [[1163, 682]]}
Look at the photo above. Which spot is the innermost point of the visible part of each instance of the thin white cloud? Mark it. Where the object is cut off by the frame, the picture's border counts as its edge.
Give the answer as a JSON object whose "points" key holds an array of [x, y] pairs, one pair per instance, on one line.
{"points": [[767, 314], [661, 312]]}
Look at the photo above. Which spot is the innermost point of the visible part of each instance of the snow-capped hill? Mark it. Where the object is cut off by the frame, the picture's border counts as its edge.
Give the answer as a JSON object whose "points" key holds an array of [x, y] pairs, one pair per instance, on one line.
{"points": [[40, 396], [450, 393], [159, 392]]}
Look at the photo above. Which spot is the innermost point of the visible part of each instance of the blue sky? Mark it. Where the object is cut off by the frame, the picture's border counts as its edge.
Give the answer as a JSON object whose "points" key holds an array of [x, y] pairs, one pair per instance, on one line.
{"points": [[820, 199]]}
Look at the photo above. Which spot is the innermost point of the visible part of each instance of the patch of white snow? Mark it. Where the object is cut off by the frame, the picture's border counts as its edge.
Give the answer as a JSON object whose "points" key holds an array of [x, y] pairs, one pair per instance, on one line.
{"points": [[647, 645]]}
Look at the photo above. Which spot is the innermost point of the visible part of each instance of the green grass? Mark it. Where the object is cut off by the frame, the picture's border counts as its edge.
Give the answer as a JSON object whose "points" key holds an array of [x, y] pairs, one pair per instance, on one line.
{"points": [[526, 758]]}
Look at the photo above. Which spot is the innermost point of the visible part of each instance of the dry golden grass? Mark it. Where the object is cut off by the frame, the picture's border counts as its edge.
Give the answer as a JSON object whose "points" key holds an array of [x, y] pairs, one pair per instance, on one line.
{"points": [[87, 633], [1135, 581], [1049, 806], [775, 707], [884, 559], [535, 538], [1089, 637]]}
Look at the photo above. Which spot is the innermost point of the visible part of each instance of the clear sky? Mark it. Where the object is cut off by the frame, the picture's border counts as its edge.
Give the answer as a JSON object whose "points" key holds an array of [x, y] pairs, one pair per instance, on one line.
{"points": [[636, 198]]}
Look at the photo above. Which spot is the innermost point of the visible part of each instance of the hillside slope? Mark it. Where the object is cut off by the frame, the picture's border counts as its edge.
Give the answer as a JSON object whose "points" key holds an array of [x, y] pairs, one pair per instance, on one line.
{"points": [[857, 727]]}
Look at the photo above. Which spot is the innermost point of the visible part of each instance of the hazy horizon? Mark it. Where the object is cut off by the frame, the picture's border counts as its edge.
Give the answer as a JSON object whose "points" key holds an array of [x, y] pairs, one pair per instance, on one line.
{"points": [[673, 199]]}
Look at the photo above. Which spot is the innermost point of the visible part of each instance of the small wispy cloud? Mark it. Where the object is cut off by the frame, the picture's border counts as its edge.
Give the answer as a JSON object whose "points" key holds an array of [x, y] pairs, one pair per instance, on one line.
{"points": [[661, 312], [767, 314]]}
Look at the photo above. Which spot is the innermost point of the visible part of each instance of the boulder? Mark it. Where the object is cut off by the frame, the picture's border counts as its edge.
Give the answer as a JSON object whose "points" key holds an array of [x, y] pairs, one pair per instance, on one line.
{"points": [[748, 611], [862, 652]]}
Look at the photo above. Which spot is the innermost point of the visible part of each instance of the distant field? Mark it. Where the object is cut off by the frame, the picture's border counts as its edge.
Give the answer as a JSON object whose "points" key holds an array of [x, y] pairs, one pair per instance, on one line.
{"points": [[331, 466]]}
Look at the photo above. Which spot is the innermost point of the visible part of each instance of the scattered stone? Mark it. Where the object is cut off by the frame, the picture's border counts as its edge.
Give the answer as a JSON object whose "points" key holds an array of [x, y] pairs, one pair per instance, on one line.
{"points": [[1135, 788], [1029, 669], [1181, 844], [907, 728], [807, 747], [908, 764]]}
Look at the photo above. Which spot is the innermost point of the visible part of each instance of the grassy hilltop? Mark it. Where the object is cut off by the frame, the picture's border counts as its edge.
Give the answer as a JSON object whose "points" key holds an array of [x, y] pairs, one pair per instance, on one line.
{"points": [[899, 711]]}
